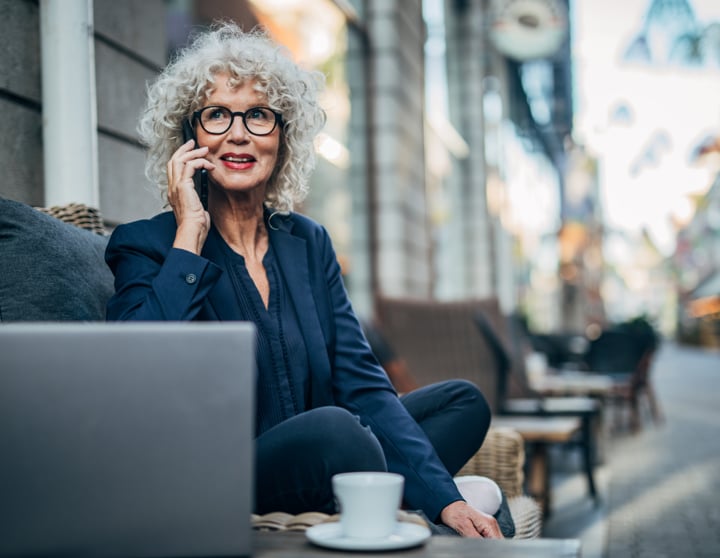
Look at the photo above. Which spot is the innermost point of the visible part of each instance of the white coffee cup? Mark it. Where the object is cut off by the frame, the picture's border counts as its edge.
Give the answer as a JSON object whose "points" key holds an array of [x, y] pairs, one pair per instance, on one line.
{"points": [[368, 503]]}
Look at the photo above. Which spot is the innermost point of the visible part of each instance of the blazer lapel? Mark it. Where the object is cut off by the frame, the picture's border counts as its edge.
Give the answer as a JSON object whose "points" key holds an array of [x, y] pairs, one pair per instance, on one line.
{"points": [[291, 253], [222, 300]]}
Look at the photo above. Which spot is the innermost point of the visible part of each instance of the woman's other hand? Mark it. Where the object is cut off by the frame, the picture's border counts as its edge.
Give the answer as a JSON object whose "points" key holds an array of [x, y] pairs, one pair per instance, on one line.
{"points": [[193, 222], [470, 522]]}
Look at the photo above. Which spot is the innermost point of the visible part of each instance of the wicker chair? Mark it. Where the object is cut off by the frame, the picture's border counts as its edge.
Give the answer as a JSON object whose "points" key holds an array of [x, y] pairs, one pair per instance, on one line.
{"points": [[502, 458], [77, 214]]}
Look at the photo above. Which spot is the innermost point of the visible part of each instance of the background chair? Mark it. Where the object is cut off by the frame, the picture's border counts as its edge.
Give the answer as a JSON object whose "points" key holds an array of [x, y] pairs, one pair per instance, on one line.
{"points": [[625, 353], [497, 331], [441, 341]]}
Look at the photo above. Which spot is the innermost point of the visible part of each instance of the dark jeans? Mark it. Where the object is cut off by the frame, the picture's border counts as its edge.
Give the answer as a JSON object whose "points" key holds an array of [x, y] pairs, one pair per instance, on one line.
{"points": [[296, 459]]}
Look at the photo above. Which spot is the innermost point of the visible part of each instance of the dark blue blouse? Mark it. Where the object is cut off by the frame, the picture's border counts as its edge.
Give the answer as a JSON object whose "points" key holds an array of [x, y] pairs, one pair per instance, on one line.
{"points": [[283, 379]]}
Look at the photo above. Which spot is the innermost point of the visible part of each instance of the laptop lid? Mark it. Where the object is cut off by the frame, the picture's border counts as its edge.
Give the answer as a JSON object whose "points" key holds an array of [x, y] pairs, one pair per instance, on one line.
{"points": [[126, 439]]}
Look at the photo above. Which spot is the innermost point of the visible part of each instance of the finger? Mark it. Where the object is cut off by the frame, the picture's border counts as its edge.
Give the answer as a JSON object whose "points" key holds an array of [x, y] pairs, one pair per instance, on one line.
{"points": [[189, 167], [489, 529], [182, 152], [182, 156], [186, 152], [172, 164], [186, 166], [467, 528], [180, 171], [193, 153]]}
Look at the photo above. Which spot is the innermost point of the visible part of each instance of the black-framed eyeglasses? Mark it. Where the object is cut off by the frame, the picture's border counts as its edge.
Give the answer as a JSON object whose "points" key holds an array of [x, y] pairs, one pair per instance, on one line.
{"points": [[259, 121]]}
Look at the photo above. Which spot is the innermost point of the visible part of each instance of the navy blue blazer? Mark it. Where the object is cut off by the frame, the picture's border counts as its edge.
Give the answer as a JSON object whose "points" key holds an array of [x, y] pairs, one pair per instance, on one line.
{"points": [[154, 281]]}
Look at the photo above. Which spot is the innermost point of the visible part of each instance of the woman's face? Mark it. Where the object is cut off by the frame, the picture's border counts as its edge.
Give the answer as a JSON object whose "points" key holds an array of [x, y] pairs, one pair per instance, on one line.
{"points": [[243, 162]]}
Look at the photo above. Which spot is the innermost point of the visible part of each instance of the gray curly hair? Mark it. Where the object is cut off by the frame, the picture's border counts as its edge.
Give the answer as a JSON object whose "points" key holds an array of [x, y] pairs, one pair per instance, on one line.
{"points": [[186, 83]]}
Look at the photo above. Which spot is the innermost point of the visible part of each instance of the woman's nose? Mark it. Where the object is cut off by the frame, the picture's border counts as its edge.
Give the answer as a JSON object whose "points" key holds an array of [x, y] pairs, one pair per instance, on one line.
{"points": [[238, 131]]}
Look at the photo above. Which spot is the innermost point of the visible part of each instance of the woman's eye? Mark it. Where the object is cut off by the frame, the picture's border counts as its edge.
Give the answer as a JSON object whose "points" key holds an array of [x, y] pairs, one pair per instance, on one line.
{"points": [[258, 114], [216, 114]]}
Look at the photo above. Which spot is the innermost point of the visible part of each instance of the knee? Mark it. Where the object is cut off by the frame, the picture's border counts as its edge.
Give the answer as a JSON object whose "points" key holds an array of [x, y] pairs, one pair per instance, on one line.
{"points": [[338, 433], [332, 423], [468, 395]]}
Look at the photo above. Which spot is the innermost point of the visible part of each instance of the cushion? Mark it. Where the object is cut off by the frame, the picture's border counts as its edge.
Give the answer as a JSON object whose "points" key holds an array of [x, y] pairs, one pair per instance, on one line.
{"points": [[52, 271]]}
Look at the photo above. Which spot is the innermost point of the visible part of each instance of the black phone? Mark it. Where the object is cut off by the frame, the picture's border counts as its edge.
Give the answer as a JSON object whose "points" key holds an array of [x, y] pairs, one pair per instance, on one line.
{"points": [[201, 176]]}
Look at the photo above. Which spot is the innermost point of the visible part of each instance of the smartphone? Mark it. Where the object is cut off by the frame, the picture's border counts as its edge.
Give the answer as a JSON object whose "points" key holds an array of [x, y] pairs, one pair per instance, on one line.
{"points": [[201, 176]]}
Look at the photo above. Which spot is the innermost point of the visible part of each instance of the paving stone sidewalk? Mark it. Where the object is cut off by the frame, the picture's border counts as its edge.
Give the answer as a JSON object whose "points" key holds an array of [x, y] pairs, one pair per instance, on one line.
{"points": [[664, 483], [660, 488]]}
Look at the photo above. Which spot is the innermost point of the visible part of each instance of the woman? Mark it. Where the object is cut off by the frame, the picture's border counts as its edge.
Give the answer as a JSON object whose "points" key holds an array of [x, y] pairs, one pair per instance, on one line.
{"points": [[324, 406]]}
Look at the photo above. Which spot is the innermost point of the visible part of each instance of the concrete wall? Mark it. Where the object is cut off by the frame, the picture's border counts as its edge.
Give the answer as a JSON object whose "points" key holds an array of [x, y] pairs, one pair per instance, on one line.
{"points": [[129, 50], [397, 36], [359, 280], [471, 231], [20, 105]]}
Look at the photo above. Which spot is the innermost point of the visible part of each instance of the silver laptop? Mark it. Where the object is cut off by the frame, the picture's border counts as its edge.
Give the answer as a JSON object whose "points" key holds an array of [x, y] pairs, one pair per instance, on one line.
{"points": [[126, 439]]}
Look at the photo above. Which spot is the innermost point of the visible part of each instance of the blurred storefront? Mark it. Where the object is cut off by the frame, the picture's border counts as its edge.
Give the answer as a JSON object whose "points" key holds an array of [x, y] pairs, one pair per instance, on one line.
{"points": [[697, 268], [528, 122], [648, 85]]}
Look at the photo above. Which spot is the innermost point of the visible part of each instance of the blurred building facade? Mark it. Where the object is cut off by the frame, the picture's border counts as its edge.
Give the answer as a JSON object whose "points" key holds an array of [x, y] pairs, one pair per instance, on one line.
{"points": [[696, 264], [662, 54], [449, 187]]}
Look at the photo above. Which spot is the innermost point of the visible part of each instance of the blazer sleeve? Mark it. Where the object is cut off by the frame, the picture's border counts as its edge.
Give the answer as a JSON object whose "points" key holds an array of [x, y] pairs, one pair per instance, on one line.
{"points": [[361, 386], [154, 281]]}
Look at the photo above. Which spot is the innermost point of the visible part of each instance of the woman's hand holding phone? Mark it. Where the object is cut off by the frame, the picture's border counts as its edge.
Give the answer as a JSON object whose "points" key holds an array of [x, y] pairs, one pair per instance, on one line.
{"points": [[192, 218], [200, 178]]}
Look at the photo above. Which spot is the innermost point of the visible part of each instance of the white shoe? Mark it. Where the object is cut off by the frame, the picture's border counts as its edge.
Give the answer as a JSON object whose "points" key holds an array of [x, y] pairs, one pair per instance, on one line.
{"points": [[481, 493]]}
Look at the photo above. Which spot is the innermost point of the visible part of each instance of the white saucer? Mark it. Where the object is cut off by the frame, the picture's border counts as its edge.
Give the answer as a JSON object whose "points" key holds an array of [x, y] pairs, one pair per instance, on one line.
{"points": [[330, 535]]}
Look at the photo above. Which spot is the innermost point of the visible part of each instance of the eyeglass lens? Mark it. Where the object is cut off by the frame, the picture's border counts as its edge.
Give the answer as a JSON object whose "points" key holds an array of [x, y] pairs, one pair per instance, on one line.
{"points": [[218, 120]]}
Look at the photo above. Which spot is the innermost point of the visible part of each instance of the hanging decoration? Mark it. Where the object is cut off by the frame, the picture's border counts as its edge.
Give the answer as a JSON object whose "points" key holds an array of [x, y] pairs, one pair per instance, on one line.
{"points": [[528, 29]]}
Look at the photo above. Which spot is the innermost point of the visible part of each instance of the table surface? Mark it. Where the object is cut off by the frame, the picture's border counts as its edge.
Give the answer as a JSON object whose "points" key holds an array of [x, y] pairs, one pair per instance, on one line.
{"points": [[540, 429], [575, 383], [295, 545], [557, 406]]}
